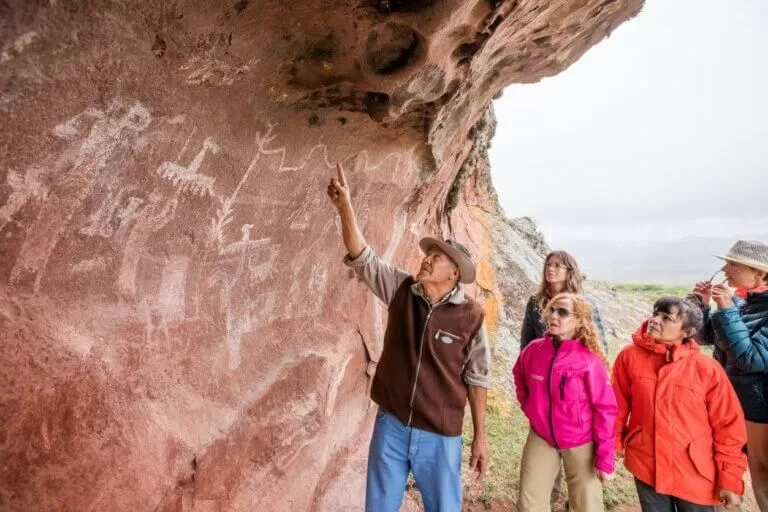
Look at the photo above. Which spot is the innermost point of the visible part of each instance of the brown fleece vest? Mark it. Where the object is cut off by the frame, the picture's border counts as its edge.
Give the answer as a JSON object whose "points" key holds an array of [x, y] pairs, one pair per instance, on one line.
{"points": [[430, 395]]}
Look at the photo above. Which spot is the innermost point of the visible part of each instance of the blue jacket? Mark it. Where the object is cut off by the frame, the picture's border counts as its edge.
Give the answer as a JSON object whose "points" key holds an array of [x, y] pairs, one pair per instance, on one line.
{"points": [[534, 326], [740, 336]]}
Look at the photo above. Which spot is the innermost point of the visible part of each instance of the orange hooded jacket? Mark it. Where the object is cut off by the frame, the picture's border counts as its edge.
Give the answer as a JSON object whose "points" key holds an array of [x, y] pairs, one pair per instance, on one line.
{"points": [[680, 424]]}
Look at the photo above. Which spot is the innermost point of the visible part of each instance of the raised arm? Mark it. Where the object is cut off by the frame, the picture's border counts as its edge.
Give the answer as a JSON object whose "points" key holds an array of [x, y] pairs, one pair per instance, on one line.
{"points": [[383, 279], [338, 191]]}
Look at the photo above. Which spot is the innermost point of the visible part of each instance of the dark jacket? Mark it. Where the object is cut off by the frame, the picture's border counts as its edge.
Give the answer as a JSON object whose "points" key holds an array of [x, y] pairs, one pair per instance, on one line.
{"points": [[740, 336], [534, 326]]}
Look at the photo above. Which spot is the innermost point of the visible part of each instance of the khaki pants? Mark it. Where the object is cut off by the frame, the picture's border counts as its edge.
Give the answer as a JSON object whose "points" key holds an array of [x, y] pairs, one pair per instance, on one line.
{"points": [[539, 467], [757, 449]]}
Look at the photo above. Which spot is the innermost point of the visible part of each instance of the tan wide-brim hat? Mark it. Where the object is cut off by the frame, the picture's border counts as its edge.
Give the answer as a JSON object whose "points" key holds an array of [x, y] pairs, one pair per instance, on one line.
{"points": [[457, 252], [751, 253]]}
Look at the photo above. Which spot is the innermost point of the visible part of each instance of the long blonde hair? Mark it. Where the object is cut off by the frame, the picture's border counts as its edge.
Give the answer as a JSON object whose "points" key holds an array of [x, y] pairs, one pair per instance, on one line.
{"points": [[573, 283], [586, 330]]}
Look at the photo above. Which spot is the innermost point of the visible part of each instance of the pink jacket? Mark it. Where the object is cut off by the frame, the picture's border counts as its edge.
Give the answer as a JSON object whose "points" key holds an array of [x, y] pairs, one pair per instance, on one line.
{"points": [[567, 396]]}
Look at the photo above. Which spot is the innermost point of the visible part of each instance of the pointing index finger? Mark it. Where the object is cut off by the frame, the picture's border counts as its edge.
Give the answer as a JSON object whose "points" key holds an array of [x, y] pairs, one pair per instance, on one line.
{"points": [[342, 178]]}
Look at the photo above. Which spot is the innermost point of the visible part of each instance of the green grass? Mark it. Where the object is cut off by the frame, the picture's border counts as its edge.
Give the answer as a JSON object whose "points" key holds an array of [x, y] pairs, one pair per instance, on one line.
{"points": [[652, 291], [506, 433]]}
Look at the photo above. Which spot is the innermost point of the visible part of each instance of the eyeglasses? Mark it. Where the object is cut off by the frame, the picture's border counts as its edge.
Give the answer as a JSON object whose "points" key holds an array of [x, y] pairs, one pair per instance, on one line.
{"points": [[561, 312], [556, 266]]}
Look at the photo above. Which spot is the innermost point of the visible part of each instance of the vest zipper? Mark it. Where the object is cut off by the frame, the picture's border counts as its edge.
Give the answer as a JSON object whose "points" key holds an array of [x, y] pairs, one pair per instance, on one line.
{"points": [[552, 398], [418, 364]]}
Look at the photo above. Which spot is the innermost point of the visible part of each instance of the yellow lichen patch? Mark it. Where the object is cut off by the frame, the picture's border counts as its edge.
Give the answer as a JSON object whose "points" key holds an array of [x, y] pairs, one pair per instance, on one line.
{"points": [[492, 306], [498, 402], [486, 275]]}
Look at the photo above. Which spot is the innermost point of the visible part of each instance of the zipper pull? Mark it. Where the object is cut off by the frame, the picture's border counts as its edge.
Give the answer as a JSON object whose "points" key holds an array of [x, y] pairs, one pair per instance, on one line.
{"points": [[669, 354]]}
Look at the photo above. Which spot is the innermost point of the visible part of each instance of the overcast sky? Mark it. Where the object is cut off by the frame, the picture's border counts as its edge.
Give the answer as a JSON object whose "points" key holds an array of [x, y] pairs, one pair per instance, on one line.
{"points": [[658, 132]]}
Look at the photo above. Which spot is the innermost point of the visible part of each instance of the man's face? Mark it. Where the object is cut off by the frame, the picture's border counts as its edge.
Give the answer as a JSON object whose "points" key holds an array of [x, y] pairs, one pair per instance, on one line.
{"points": [[437, 268]]}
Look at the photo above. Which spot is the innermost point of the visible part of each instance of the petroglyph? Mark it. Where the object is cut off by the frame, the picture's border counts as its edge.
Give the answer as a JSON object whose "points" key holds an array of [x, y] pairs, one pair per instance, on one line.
{"points": [[88, 266], [245, 244], [18, 46], [72, 128], [160, 212], [170, 298], [310, 278], [187, 178], [225, 213], [23, 189], [150, 219], [102, 221], [214, 72], [115, 129]]}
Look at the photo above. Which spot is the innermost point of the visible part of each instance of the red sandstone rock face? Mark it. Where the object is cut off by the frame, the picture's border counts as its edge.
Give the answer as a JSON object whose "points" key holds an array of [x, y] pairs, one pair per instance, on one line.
{"points": [[178, 331]]}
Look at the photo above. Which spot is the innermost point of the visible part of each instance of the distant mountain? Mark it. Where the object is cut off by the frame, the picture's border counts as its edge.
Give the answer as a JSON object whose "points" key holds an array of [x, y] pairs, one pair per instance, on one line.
{"points": [[678, 262]]}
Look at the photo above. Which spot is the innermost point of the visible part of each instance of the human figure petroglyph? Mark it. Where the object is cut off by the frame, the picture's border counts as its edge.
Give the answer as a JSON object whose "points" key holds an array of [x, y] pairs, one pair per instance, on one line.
{"points": [[109, 133], [102, 221]]}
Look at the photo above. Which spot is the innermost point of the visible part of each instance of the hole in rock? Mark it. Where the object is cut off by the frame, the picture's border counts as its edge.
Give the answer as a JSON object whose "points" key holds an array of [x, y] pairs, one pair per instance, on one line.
{"points": [[377, 105], [390, 6], [466, 51], [391, 47]]}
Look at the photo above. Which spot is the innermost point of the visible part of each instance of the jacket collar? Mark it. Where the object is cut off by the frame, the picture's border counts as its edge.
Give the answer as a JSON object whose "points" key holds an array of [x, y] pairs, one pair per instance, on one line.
{"points": [[565, 345], [672, 352], [455, 296]]}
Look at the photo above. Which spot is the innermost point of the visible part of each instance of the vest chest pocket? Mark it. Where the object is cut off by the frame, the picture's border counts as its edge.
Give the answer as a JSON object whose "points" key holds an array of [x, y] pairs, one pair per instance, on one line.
{"points": [[449, 347]]}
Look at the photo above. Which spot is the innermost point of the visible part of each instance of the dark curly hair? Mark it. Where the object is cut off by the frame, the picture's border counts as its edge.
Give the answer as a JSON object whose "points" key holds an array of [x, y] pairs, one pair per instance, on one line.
{"points": [[690, 312]]}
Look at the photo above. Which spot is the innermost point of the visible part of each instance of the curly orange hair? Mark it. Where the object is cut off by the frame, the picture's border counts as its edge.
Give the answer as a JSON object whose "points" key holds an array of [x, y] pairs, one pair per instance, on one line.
{"points": [[586, 330]]}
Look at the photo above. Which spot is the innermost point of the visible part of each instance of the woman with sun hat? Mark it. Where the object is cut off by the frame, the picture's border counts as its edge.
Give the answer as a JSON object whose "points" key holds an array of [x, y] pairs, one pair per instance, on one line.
{"points": [[739, 331]]}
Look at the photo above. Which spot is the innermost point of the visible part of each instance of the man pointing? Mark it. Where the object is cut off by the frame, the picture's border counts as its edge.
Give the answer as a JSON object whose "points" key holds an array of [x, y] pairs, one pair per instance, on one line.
{"points": [[435, 357]]}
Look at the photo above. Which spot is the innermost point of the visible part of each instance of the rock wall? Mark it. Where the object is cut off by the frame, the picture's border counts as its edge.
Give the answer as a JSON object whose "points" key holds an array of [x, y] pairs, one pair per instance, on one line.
{"points": [[178, 330]]}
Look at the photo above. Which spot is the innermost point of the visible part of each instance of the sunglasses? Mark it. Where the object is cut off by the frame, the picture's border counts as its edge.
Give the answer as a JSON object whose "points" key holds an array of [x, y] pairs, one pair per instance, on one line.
{"points": [[561, 312]]}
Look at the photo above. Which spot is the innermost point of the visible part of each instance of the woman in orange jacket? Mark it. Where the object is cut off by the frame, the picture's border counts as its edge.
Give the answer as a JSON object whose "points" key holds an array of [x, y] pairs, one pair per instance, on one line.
{"points": [[680, 427]]}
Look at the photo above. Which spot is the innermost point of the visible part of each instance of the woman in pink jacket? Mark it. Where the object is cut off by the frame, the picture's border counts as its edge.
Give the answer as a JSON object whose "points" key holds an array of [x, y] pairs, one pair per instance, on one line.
{"points": [[563, 387]]}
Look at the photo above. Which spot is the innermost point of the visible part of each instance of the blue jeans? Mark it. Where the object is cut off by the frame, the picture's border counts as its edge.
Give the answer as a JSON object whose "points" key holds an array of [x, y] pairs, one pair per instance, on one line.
{"points": [[397, 450]]}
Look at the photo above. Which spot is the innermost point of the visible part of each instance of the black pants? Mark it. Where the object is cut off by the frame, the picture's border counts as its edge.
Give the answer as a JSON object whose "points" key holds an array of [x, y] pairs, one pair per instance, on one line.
{"points": [[651, 501]]}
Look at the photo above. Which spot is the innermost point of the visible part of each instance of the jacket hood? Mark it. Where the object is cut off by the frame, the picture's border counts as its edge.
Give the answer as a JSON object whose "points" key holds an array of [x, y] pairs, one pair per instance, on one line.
{"points": [[644, 340]]}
